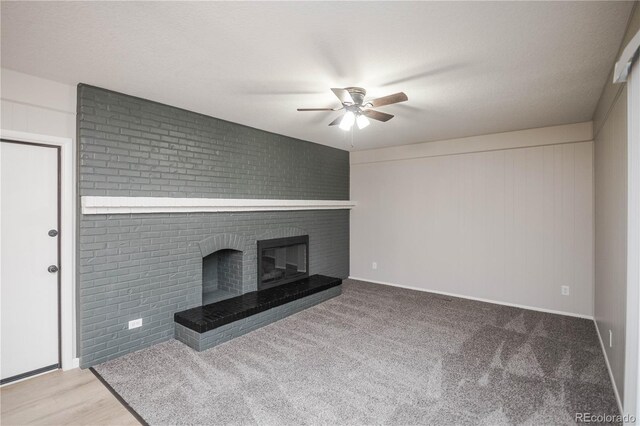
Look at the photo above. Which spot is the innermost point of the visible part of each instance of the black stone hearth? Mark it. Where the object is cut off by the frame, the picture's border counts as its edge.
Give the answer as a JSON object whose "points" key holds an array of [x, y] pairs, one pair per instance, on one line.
{"points": [[214, 315]]}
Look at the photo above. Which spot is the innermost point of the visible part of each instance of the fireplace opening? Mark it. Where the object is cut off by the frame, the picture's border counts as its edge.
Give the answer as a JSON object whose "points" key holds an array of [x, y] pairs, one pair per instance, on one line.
{"points": [[221, 275], [282, 260]]}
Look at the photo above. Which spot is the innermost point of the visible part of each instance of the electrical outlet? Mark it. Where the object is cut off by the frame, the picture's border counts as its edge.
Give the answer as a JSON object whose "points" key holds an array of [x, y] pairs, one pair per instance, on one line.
{"points": [[135, 323], [564, 290], [610, 339], [374, 265]]}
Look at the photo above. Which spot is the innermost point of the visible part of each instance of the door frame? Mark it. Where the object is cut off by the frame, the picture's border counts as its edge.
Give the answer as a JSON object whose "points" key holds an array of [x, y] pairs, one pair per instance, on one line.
{"points": [[632, 350], [67, 218]]}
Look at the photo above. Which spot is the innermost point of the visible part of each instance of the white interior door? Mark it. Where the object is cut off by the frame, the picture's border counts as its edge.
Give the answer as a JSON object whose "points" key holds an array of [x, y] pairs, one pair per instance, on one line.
{"points": [[28, 290]]}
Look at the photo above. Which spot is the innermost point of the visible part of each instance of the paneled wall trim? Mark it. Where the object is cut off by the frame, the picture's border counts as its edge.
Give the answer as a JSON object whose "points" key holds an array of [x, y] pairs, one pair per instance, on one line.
{"points": [[512, 225], [553, 135], [124, 205]]}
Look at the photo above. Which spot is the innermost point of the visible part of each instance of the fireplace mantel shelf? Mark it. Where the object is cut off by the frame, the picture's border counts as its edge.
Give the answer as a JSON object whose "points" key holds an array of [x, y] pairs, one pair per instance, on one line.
{"points": [[126, 205]]}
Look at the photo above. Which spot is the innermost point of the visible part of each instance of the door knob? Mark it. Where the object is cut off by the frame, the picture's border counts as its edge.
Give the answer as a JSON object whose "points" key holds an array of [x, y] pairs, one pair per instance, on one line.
{"points": [[53, 269], [53, 233]]}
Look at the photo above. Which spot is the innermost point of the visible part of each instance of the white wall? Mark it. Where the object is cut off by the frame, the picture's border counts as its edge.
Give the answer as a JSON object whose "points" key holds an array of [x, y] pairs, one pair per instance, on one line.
{"points": [[35, 105], [610, 300], [611, 234], [39, 106], [505, 217]]}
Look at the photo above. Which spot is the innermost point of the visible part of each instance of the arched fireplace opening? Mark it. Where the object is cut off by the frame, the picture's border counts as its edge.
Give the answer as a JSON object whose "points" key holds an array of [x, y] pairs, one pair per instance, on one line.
{"points": [[221, 275]]}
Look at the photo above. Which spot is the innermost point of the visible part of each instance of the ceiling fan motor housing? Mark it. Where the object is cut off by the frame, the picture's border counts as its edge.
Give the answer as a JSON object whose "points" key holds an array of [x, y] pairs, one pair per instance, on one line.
{"points": [[357, 94], [352, 100]]}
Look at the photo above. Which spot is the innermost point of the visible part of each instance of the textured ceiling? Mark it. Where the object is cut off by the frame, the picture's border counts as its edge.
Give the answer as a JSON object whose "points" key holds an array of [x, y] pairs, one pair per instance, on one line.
{"points": [[468, 68]]}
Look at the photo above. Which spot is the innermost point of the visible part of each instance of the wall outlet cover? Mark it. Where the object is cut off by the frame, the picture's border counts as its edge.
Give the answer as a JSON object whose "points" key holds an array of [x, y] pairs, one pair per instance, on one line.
{"points": [[135, 323], [374, 265], [564, 290]]}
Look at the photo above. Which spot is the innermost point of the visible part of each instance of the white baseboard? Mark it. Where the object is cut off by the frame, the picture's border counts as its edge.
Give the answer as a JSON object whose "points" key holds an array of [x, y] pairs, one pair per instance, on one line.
{"points": [[70, 364], [606, 360], [462, 296]]}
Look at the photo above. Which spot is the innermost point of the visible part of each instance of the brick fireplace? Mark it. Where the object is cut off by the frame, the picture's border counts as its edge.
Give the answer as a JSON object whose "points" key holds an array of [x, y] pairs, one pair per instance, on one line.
{"points": [[159, 185]]}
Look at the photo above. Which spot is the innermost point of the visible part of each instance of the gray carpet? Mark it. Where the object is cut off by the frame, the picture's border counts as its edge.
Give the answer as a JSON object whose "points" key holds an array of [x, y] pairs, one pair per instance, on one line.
{"points": [[378, 355]]}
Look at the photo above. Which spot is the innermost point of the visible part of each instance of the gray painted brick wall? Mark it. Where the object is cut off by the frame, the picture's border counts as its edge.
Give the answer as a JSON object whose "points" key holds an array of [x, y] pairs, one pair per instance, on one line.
{"points": [[230, 271], [210, 273], [134, 147], [150, 265]]}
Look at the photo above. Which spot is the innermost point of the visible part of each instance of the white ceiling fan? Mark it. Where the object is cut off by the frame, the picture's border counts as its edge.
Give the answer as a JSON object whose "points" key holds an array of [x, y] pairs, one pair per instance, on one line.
{"points": [[357, 110]]}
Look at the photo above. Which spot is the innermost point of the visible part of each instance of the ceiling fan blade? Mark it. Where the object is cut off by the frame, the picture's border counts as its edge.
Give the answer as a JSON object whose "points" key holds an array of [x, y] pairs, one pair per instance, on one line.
{"points": [[336, 121], [316, 109], [388, 100], [343, 95], [377, 115]]}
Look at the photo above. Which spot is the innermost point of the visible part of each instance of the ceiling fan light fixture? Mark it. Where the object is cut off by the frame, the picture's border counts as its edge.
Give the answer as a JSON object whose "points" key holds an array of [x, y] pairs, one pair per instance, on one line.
{"points": [[357, 110], [362, 121], [347, 121]]}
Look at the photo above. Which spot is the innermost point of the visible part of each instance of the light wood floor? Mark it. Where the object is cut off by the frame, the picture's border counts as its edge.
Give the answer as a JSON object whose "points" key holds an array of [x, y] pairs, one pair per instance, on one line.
{"points": [[74, 397]]}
